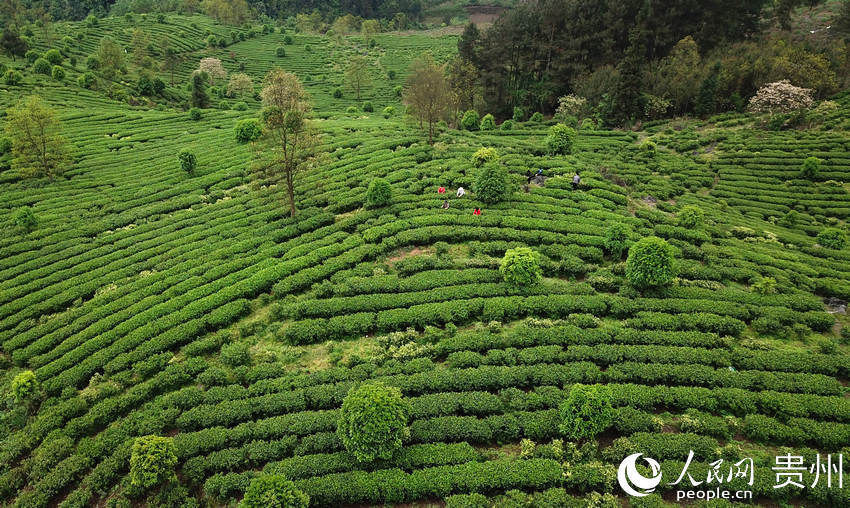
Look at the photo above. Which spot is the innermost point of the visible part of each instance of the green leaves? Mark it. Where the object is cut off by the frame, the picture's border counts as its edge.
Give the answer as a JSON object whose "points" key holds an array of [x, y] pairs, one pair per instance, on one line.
{"points": [[650, 263], [521, 267], [152, 461], [586, 412], [373, 422]]}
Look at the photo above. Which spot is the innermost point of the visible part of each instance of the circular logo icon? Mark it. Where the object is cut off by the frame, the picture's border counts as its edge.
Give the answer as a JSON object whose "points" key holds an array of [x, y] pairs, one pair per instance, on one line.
{"points": [[634, 483]]}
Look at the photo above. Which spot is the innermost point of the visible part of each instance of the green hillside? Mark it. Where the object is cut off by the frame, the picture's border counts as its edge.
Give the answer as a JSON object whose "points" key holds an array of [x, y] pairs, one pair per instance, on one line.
{"points": [[152, 302]]}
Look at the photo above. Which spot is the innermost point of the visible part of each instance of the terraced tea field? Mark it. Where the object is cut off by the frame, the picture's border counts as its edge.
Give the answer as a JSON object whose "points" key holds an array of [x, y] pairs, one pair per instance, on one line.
{"points": [[151, 302]]}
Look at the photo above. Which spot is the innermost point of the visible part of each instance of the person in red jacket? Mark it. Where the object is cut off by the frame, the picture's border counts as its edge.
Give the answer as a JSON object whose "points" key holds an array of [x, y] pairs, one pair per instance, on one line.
{"points": [[476, 211], [441, 190]]}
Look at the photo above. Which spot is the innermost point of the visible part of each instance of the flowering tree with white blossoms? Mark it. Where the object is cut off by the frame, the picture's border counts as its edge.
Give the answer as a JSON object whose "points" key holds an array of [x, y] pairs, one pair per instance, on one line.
{"points": [[213, 67], [781, 97]]}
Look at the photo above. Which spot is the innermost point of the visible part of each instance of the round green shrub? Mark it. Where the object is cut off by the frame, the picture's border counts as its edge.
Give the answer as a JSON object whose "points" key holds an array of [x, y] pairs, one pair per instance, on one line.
{"points": [[87, 80], [248, 130], [519, 114], [57, 73], [520, 268], [483, 156], [560, 140], [25, 386], [273, 491], [388, 111], [5, 145], [373, 421], [586, 412], [32, 55], [507, 125], [280, 52], [351, 110], [92, 63], [53, 56], [650, 263], [616, 239], [240, 106], [367, 107], [690, 217], [391, 74], [537, 117], [152, 461], [13, 77], [832, 238], [42, 66], [287, 39], [488, 123], [474, 500], [491, 183], [195, 114], [187, 161], [379, 193], [235, 354], [810, 168], [470, 120]]}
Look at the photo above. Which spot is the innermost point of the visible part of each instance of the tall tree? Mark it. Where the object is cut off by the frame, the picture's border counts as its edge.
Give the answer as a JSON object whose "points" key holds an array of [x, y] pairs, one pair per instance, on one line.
{"points": [[111, 57], [38, 146], [468, 42], [171, 58], [627, 95], [427, 94], [464, 84], [139, 45], [288, 138], [12, 43], [357, 74], [199, 97], [213, 68]]}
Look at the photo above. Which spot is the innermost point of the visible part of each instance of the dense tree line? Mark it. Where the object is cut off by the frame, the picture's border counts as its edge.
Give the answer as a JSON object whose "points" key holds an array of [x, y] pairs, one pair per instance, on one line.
{"points": [[329, 9], [536, 50]]}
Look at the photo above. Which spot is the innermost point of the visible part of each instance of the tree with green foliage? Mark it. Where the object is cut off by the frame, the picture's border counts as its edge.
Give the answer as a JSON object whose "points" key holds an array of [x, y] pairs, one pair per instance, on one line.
{"points": [[38, 146], [470, 121], [586, 412], [488, 123], [273, 491], [706, 102], [628, 105], [650, 263], [357, 74], [199, 97], [616, 239], [57, 73], [25, 387], [832, 238], [520, 268], [491, 183], [53, 56], [41, 66], [187, 161], [426, 93], [248, 130], [810, 168], [110, 56], [25, 218], [483, 156], [171, 58], [467, 44], [289, 138], [379, 193], [560, 140], [690, 216], [372, 422], [152, 462], [12, 43]]}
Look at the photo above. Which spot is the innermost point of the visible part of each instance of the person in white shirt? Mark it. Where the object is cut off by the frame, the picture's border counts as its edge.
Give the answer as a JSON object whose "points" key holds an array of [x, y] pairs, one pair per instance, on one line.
{"points": [[460, 192]]}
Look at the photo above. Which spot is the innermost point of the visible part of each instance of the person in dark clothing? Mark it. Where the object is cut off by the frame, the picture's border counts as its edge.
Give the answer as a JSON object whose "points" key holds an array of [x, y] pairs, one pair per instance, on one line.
{"points": [[528, 176], [446, 204]]}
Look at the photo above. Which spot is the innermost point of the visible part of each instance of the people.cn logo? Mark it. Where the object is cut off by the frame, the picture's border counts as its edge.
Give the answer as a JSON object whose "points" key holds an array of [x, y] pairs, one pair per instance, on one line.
{"points": [[634, 483]]}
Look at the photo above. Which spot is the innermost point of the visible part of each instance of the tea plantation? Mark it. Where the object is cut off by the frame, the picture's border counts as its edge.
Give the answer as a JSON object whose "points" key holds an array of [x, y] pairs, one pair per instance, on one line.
{"points": [[152, 302]]}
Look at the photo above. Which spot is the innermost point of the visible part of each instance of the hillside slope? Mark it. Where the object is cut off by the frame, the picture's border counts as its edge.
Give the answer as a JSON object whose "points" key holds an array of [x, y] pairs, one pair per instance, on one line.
{"points": [[135, 297]]}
